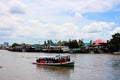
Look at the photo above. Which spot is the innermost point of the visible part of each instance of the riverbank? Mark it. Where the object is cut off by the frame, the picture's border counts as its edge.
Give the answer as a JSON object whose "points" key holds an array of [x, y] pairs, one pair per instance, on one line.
{"points": [[61, 52], [58, 49]]}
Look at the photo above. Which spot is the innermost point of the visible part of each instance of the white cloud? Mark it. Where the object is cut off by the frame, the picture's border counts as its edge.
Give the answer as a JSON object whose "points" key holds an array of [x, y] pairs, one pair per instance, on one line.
{"points": [[51, 10], [79, 5], [3, 8], [46, 30], [97, 27], [98, 30], [78, 15], [12, 7], [17, 7], [17, 25], [26, 28], [116, 30]]}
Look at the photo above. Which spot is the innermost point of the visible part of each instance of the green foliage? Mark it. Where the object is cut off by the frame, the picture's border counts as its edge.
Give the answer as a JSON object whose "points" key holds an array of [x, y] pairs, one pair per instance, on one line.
{"points": [[73, 44], [70, 43], [90, 42], [80, 43], [15, 44], [45, 43], [49, 42], [59, 43], [114, 43]]}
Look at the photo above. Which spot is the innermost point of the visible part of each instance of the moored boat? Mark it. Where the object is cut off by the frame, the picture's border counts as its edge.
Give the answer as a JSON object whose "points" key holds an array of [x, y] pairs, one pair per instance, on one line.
{"points": [[55, 61], [116, 53]]}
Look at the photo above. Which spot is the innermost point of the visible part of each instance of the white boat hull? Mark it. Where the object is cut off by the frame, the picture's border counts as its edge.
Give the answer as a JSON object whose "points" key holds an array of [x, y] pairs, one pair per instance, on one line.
{"points": [[65, 64]]}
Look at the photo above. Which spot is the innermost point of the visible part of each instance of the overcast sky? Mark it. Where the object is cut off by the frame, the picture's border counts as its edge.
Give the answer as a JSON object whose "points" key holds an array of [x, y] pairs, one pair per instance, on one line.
{"points": [[33, 21]]}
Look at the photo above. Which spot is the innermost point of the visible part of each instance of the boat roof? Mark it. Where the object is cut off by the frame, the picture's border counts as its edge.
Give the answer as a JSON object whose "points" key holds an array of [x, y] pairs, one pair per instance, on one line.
{"points": [[57, 56]]}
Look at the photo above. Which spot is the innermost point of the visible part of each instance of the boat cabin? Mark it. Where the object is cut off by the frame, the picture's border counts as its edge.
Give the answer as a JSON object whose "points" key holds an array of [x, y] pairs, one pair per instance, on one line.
{"points": [[56, 59]]}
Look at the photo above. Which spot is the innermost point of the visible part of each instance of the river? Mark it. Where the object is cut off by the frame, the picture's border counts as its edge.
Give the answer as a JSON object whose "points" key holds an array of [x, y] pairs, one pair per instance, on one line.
{"points": [[18, 66]]}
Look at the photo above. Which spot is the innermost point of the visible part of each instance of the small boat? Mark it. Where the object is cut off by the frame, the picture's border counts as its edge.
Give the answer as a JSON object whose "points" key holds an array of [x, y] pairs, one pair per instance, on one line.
{"points": [[116, 53], [58, 60]]}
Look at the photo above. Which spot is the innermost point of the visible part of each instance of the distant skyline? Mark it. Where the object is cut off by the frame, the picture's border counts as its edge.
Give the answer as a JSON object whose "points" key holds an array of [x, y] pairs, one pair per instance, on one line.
{"points": [[34, 21]]}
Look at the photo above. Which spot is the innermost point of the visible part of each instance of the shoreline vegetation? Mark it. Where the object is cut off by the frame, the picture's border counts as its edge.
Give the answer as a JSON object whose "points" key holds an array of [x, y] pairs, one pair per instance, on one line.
{"points": [[70, 46]]}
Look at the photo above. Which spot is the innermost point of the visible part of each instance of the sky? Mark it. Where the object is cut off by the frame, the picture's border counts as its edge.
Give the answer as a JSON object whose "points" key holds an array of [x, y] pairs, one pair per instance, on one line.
{"points": [[35, 21]]}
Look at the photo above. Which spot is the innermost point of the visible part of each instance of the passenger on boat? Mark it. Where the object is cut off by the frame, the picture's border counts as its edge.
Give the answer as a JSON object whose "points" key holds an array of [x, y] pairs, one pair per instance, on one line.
{"points": [[53, 60], [42, 61]]}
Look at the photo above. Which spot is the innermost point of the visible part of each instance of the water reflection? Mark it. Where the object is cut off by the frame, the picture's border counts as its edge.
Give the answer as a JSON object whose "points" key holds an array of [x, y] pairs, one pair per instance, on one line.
{"points": [[55, 72], [55, 69], [116, 63]]}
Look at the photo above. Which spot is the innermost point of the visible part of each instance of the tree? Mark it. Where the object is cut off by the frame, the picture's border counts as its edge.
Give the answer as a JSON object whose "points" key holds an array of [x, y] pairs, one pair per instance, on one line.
{"points": [[73, 44], [114, 43], [80, 43], [50, 42], [90, 42], [59, 43], [15, 44], [45, 43]]}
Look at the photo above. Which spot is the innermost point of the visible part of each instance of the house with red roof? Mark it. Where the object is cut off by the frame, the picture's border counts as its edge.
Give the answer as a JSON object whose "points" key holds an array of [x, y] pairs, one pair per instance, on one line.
{"points": [[99, 41], [98, 46]]}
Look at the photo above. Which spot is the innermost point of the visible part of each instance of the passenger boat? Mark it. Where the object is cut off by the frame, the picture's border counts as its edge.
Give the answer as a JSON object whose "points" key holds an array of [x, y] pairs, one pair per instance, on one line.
{"points": [[55, 61]]}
